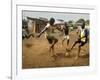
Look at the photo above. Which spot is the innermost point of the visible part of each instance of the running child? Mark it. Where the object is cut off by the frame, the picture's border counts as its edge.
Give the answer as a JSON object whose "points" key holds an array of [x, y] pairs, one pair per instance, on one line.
{"points": [[50, 36], [66, 37], [82, 40], [66, 34]]}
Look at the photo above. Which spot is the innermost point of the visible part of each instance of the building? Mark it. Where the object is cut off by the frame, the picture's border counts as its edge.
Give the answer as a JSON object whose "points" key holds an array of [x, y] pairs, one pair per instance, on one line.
{"points": [[35, 25]]}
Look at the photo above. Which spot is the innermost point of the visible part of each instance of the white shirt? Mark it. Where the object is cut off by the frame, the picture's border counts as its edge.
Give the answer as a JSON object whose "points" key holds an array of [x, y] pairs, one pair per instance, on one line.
{"points": [[50, 30]]}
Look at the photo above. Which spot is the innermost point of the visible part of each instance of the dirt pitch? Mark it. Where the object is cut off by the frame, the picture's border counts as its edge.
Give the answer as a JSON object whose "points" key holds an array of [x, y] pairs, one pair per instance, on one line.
{"points": [[35, 54]]}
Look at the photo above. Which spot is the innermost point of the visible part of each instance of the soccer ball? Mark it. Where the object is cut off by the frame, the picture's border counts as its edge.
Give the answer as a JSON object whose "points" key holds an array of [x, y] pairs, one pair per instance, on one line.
{"points": [[66, 54]]}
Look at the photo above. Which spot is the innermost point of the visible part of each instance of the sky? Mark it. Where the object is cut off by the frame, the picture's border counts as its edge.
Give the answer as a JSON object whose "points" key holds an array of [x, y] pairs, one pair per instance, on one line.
{"points": [[65, 16]]}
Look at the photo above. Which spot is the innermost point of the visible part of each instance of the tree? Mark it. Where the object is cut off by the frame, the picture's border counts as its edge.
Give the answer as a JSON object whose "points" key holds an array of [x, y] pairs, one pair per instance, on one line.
{"points": [[79, 22], [87, 22], [70, 23]]}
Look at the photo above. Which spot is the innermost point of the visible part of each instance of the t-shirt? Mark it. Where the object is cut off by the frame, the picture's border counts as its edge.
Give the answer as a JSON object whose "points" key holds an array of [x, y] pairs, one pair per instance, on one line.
{"points": [[84, 32], [50, 30]]}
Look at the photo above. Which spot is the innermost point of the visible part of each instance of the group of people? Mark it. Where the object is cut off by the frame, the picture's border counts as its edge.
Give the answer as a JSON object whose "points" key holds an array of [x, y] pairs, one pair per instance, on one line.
{"points": [[52, 39]]}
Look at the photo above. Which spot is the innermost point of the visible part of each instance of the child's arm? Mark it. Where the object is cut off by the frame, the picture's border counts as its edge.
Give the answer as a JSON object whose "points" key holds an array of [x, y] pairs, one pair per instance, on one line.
{"points": [[59, 29], [46, 27], [42, 31], [82, 37]]}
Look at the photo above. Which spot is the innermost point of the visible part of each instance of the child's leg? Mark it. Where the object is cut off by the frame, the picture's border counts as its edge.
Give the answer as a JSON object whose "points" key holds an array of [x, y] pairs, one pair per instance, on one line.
{"points": [[28, 36], [52, 46], [74, 45], [79, 49], [67, 51], [32, 35], [51, 42], [67, 41], [63, 41], [65, 37]]}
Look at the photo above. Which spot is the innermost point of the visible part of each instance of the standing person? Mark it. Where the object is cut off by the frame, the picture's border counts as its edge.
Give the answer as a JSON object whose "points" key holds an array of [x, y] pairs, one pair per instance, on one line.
{"points": [[49, 34], [82, 40], [66, 34], [30, 29], [25, 34], [27, 30]]}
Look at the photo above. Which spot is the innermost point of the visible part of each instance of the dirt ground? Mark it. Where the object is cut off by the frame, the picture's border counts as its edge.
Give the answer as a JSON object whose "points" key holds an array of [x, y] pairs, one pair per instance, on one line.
{"points": [[35, 53]]}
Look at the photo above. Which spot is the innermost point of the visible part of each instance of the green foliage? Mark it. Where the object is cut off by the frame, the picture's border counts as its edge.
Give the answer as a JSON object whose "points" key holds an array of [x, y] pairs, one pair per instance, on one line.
{"points": [[87, 22]]}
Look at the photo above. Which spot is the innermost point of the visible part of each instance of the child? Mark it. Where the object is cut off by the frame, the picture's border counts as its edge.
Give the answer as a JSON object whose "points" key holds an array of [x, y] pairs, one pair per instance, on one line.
{"points": [[25, 34], [82, 40], [27, 31], [50, 36], [66, 36]]}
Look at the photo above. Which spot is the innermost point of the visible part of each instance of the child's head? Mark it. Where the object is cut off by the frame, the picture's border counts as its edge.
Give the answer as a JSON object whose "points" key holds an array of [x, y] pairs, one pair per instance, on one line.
{"points": [[51, 21]]}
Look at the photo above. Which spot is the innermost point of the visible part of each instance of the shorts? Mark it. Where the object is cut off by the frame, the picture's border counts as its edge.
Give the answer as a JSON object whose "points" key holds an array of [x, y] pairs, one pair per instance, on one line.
{"points": [[51, 39], [66, 37], [81, 42]]}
